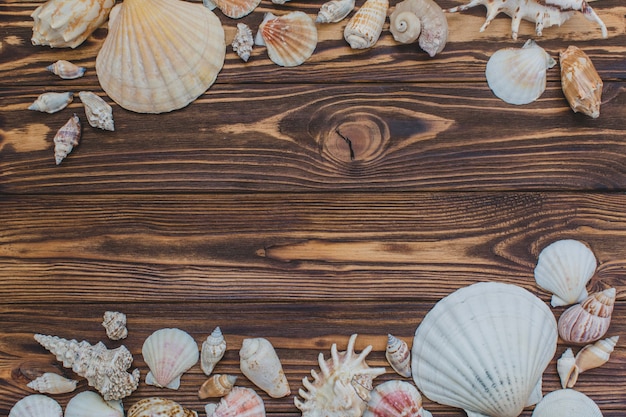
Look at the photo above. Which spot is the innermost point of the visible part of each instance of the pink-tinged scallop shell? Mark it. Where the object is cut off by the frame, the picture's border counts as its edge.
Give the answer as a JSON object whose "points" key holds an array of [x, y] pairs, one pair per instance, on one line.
{"points": [[239, 402], [395, 399], [90, 404], [581, 83], [588, 321], [66, 138], [290, 39], [66, 69], [566, 403], [51, 383], [159, 407], [398, 355], [52, 102], [234, 9], [36, 405], [169, 353], [365, 27]]}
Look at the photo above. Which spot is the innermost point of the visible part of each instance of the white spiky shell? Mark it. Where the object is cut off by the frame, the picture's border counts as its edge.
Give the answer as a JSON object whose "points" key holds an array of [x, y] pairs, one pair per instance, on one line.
{"points": [[484, 348], [239, 402], [89, 404], [234, 9], [52, 102], [51, 383], [590, 320], [259, 362], [169, 353], [398, 355], [36, 405], [566, 403], [243, 42], [334, 11], [395, 398], [290, 38], [365, 27], [100, 114], [157, 406], [518, 76], [213, 349], [564, 267], [160, 55]]}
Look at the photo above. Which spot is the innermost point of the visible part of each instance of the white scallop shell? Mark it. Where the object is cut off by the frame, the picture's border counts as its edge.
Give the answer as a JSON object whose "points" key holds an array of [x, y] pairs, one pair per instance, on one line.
{"points": [[564, 267], [567, 403], [91, 404], [290, 39], [213, 349], [484, 349], [52, 102], [51, 383], [398, 355], [365, 27], [169, 353], [36, 405], [518, 76], [100, 114], [259, 362]]}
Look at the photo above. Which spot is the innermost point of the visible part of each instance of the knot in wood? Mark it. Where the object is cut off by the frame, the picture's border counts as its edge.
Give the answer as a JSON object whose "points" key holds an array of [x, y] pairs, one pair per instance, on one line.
{"points": [[358, 137]]}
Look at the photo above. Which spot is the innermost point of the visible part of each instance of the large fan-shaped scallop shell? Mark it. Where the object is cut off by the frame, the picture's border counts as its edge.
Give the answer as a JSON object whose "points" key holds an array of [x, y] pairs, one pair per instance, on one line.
{"points": [[290, 39], [484, 348], [160, 55], [169, 353], [588, 321], [239, 402], [90, 404], [395, 398], [234, 9], [36, 405], [567, 403], [564, 268], [518, 76]]}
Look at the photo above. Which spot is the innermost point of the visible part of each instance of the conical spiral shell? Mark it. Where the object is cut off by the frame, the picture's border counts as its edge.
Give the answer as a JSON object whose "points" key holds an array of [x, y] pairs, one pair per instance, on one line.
{"points": [[567, 369], [36, 405], [398, 355], [113, 322], [243, 42], [261, 365], [90, 404], [234, 9], [51, 383], [66, 138], [160, 55], [169, 353], [420, 19], [217, 385], [588, 321], [595, 355], [156, 406], [365, 27], [581, 83], [213, 349], [566, 403], [290, 39]]}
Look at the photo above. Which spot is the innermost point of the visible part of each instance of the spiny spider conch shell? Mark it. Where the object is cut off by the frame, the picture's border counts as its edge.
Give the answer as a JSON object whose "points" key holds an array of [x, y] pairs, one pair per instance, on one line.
{"points": [[421, 20], [100, 114], [343, 387], [52, 102], [234, 9], [365, 27], [239, 402], [157, 406], [518, 75], [147, 69], [213, 349], [564, 267], [484, 349], [334, 11], [290, 38], [66, 138], [90, 404], [566, 403], [259, 362], [544, 13], [217, 385], [588, 321], [67, 23], [51, 383], [169, 353], [114, 322], [104, 369], [243, 42], [36, 405], [398, 355], [66, 69], [581, 83], [395, 398]]}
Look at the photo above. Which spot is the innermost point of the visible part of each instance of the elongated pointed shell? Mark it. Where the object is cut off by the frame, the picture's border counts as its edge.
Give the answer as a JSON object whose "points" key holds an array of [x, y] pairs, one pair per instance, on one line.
{"points": [[334, 11], [169, 353], [217, 386], [567, 403], [261, 365], [66, 70], [90, 404], [66, 138], [421, 20], [484, 348], [595, 355], [36, 405], [239, 402], [156, 406], [290, 39], [52, 102], [365, 27], [51, 383], [234, 9], [581, 83], [213, 349], [160, 55], [588, 321], [99, 114], [567, 369], [394, 399], [398, 355], [564, 267], [243, 42]]}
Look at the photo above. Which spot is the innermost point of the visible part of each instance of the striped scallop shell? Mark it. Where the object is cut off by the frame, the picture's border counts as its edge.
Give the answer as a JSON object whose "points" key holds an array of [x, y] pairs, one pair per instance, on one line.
{"points": [[234, 9], [36, 405], [160, 55], [588, 321], [169, 353], [91, 404], [365, 27], [567, 403], [518, 76], [398, 355], [290, 39], [484, 349]]}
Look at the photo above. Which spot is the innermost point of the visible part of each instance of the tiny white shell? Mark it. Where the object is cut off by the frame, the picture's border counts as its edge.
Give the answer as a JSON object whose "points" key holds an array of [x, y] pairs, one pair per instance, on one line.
{"points": [[566, 403], [36, 405], [98, 112], [261, 365], [213, 349], [52, 102], [398, 355], [169, 353], [51, 383], [334, 11], [90, 404], [66, 69]]}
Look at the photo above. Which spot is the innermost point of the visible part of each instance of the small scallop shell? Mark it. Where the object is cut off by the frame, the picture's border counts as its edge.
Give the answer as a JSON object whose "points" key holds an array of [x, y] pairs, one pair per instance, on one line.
{"points": [[365, 27], [217, 386], [213, 349], [51, 383], [394, 399], [420, 19], [234, 9], [66, 138], [581, 83], [566, 403], [156, 406], [588, 321], [239, 402], [36, 405], [334, 11], [52, 102], [595, 355], [66, 70], [99, 114], [114, 322], [567, 369], [290, 39], [261, 365], [243, 42], [518, 76], [90, 404], [169, 353], [398, 355], [564, 267]]}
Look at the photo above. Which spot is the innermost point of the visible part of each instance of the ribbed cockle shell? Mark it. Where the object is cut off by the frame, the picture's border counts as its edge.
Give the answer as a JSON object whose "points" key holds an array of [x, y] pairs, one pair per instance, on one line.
{"points": [[213, 349], [290, 38], [36, 405], [234, 9], [169, 353], [261, 365], [239, 402], [66, 138], [566, 403], [588, 321], [365, 27], [581, 83], [66, 70], [398, 355], [51, 383]]}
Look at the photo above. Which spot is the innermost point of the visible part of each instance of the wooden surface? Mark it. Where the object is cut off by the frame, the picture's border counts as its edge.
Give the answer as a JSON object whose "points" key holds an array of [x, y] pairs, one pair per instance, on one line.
{"points": [[248, 210]]}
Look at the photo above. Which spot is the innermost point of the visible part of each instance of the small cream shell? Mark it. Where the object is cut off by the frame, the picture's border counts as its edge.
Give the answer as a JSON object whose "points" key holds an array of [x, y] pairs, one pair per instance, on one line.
{"points": [[217, 385], [566, 403], [398, 355], [595, 355], [90, 404], [52, 102], [66, 70], [588, 321], [290, 39], [213, 349], [334, 11], [261, 365], [99, 114], [51, 383], [169, 353], [365, 27], [36, 405]]}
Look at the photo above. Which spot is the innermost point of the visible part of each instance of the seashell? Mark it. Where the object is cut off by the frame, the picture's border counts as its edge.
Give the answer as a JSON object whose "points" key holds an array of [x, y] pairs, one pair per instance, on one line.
{"points": [[365, 27], [567, 369], [234, 9], [114, 322], [394, 399], [156, 406], [566, 403], [484, 349], [243, 41], [169, 353], [334, 11], [595, 355], [239, 402], [51, 383], [342, 389], [52, 102], [100, 114], [544, 13], [518, 76], [588, 321], [581, 83], [104, 369], [66, 138], [147, 69], [36, 405], [564, 267], [420, 19], [261, 365], [67, 23], [398, 355], [290, 39], [66, 70], [213, 349], [217, 386], [89, 404]]}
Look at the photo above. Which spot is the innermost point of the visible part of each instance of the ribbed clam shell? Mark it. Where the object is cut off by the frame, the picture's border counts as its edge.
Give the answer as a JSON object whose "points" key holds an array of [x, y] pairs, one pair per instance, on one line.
{"points": [[484, 348], [290, 39], [239, 402], [66, 138], [51, 383], [156, 406], [365, 27], [567, 403], [52, 102], [233, 8], [588, 321], [160, 55], [169, 353], [564, 268], [394, 399], [36, 405], [334, 11], [398, 355], [213, 349], [90, 404], [518, 76], [66, 69], [259, 362], [100, 114], [581, 83]]}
